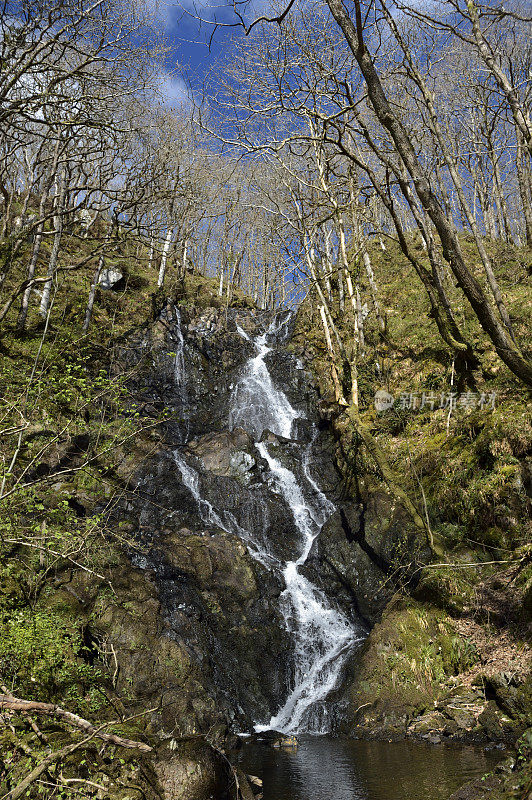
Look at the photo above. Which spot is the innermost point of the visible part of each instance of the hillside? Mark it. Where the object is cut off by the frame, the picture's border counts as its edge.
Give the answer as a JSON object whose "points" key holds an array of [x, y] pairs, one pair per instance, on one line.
{"points": [[450, 658], [75, 432], [88, 419]]}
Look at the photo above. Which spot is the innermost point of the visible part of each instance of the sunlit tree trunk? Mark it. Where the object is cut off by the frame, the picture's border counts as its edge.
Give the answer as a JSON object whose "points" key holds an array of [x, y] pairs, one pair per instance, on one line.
{"points": [[164, 256], [54, 255]]}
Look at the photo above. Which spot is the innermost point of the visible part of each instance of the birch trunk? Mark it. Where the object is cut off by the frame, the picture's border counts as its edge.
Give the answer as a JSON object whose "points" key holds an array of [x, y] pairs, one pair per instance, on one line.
{"points": [[338, 393], [92, 293], [24, 306], [373, 290], [164, 256], [151, 252], [523, 178], [54, 255]]}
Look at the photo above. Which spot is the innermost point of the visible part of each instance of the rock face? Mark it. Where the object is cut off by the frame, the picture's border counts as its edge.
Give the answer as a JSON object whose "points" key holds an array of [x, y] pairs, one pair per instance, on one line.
{"points": [[360, 547], [191, 770], [200, 623], [228, 454]]}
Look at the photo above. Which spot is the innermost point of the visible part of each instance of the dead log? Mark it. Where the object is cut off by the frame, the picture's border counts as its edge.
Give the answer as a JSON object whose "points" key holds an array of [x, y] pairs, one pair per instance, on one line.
{"points": [[10, 703]]}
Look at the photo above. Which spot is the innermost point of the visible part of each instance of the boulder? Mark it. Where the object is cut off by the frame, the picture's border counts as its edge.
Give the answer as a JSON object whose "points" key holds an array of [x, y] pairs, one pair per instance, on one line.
{"points": [[190, 771], [227, 453], [109, 278]]}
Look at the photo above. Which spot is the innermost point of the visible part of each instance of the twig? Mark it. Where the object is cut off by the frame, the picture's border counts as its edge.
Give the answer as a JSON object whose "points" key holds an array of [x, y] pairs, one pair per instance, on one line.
{"points": [[35, 728]]}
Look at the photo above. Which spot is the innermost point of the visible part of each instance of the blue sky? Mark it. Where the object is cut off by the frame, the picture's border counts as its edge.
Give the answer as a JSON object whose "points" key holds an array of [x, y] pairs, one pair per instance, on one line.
{"points": [[193, 56]]}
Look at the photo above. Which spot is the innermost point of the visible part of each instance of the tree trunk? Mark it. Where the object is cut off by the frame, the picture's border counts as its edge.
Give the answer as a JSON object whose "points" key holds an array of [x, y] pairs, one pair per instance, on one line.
{"points": [[339, 395], [446, 230], [184, 261], [373, 289], [523, 171], [54, 255], [151, 252], [164, 256], [92, 293], [24, 306]]}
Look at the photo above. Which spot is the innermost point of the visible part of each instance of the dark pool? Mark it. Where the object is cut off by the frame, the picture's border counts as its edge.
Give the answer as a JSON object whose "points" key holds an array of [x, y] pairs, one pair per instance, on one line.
{"points": [[327, 768]]}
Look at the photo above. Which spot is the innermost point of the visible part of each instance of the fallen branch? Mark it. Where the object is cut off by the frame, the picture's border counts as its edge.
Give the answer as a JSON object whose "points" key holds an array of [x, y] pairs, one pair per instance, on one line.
{"points": [[10, 703], [22, 787], [473, 564], [35, 728]]}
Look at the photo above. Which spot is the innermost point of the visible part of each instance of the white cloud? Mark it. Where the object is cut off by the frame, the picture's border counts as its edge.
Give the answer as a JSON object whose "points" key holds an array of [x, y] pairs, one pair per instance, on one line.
{"points": [[173, 90]]}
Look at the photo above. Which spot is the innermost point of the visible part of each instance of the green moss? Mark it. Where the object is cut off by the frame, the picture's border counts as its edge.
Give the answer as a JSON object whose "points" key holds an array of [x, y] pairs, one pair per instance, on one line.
{"points": [[408, 655]]}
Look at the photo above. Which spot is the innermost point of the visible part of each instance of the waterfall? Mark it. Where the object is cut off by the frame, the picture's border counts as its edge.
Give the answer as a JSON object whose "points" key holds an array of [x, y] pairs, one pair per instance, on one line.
{"points": [[322, 636], [256, 404]]}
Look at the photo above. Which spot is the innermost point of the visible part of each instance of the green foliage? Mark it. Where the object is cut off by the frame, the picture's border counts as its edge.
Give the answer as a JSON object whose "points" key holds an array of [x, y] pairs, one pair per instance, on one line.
{"points": [[462, 653], [41, 655]]}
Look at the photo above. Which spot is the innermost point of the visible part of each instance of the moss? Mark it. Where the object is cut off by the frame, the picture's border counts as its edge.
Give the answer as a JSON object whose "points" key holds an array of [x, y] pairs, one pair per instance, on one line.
{"points": [[407, 657], [454, 590]]}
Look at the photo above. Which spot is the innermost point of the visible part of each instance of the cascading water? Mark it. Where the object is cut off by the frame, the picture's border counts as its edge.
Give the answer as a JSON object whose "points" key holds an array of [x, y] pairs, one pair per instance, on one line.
{"points": [[322, 636], [256, 404]]}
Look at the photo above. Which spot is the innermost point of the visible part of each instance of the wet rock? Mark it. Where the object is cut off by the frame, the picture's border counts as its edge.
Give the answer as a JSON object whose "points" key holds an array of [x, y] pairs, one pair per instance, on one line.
{"points": [[277, 740], [427, 724], [246, 790], [503, 688], [218, 562], [342, 553], [286, 741], [491, 722], [228, 453], [256, 783]]}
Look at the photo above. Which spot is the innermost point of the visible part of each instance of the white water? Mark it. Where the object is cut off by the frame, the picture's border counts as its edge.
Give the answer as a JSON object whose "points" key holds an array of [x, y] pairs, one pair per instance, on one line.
{"points": [[256, 404], [322, 635]]}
